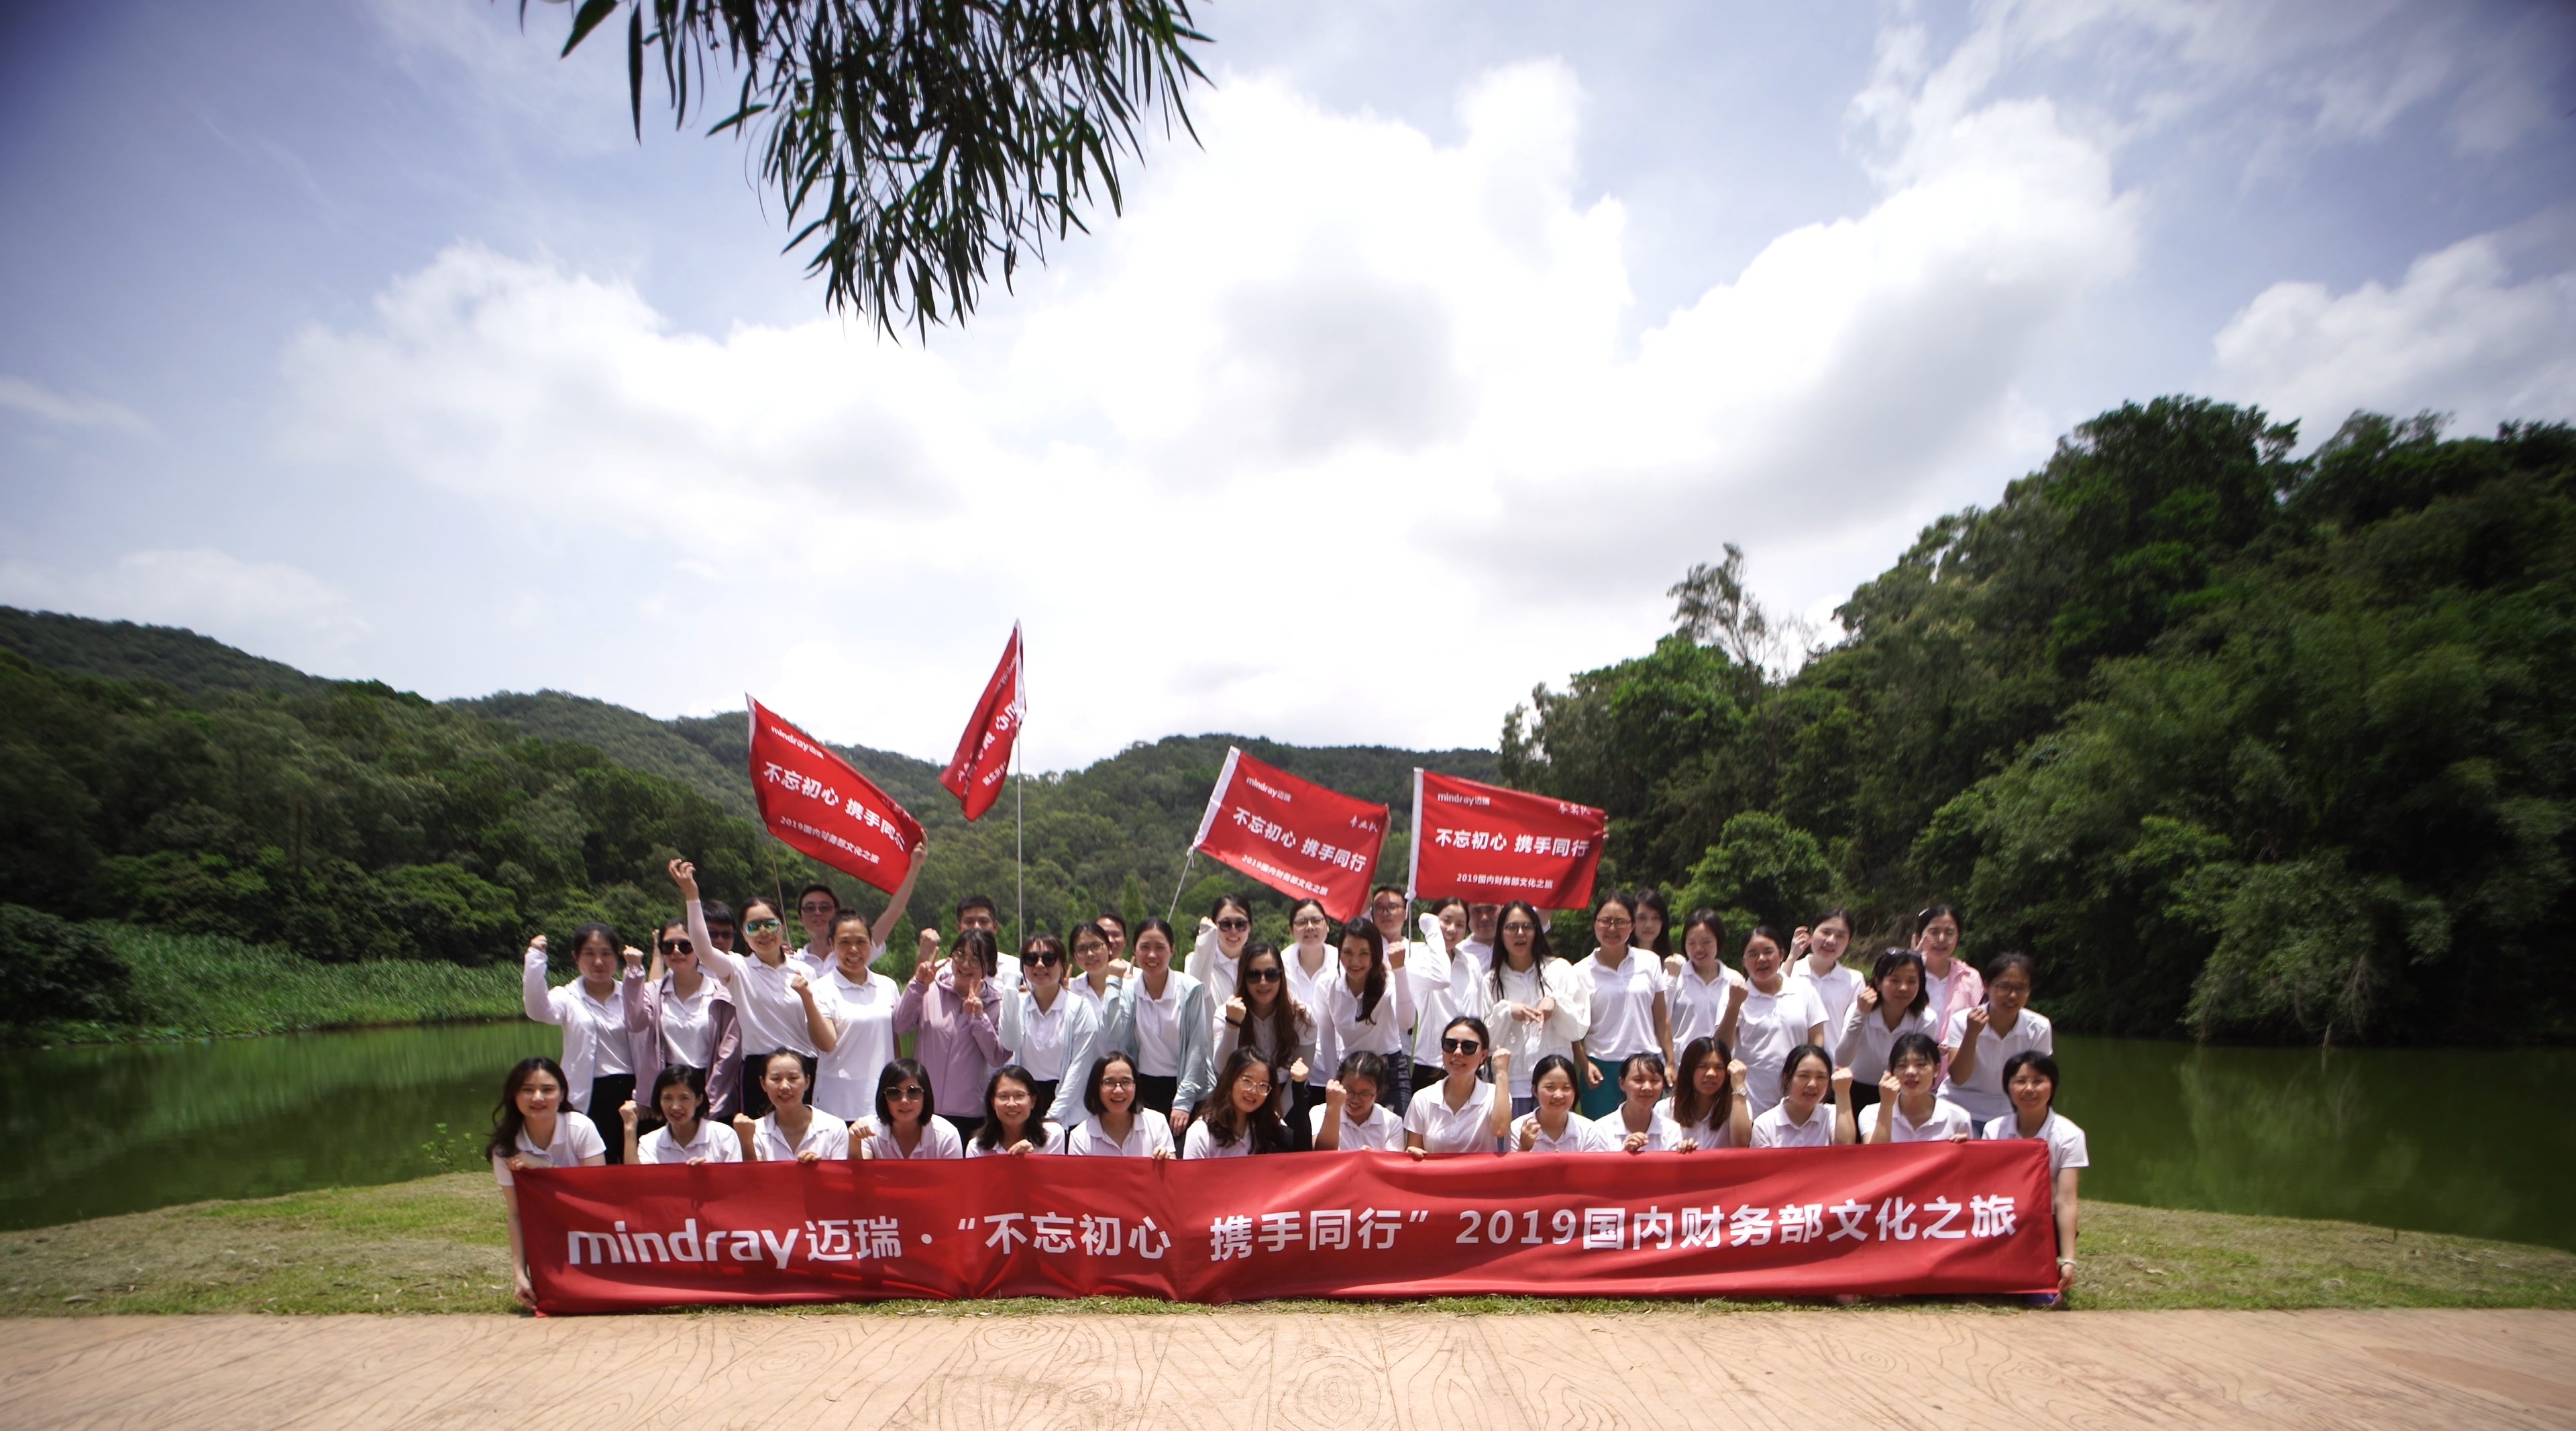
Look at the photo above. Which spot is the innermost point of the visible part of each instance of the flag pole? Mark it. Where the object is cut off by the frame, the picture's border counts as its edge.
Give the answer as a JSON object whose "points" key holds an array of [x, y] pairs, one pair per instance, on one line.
{"points": [[1020, 833], [1183, 885]]}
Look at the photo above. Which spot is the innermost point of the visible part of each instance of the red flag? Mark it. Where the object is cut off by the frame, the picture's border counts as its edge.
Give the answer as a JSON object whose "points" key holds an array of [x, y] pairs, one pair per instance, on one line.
{"points": [[1489, 844], [1293, 835], [812, 800], [974, 773]]}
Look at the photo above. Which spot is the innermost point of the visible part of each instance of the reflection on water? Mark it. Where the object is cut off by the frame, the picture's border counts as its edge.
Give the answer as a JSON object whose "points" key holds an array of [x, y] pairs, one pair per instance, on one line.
{"points": [[120, 1128], [2436, 1139], [2441, 1140]]}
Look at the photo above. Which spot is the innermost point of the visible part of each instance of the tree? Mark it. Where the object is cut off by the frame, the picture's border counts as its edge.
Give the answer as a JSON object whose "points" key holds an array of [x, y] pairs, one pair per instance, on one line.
{"points": [[916, 142]]}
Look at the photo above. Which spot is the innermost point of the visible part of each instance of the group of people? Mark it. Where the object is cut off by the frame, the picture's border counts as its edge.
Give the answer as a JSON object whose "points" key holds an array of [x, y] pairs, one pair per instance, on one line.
{"points": [[1462, 1031]]}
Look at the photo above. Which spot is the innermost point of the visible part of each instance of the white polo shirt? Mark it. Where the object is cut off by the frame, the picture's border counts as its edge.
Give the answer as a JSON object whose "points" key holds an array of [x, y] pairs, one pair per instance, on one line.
{"points": [[771, 1015], [938, 1140], [1152, 1134], [1452, 1130], [1623, 1004], [689, 1024], [1699, 1005], [826, 1136], [1158, 1028], [1947, 1120], [1983, 1093], [1044, 1035], [1864, 1040], [715, 1142], [2065, 1141], [1767, 1030], [845, 1080], [1200, 1142], [1382, 1133], [576, 1138], [1714, 1131], [1836, 987], [1775, 1129], [1581, 1135]]}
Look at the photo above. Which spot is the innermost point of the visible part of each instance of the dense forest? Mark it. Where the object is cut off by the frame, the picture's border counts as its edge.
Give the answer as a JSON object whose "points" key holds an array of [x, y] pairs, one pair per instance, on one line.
{"points": [[2234, 742], [157, 778], [2230, 742]]}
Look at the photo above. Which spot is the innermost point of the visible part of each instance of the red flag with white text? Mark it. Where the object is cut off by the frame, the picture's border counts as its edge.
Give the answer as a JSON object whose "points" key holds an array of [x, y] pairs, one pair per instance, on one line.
{"points": [[983, 759], [816, 802], [1293, 835], [1491, 845]]}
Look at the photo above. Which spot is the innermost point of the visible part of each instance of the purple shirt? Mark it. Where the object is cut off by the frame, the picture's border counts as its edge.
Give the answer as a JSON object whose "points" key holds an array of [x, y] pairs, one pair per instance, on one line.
{"points": [[959, 1049]]}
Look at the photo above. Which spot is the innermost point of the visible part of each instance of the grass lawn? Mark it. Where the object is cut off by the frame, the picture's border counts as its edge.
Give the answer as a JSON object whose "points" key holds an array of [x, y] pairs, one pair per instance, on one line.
{"points": [[438, 1245]]}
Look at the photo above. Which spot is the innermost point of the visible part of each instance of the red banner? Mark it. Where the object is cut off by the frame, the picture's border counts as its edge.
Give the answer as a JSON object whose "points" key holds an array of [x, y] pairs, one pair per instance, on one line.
{"points": [[1897, 1218], [1489, 844], [974, 774], [812, 800], [1293, 835]]}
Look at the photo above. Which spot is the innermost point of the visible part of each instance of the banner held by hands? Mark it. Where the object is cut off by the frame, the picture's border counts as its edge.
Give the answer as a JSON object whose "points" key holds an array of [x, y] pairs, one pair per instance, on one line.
{"points": [[817, 803], [1489, 844]]}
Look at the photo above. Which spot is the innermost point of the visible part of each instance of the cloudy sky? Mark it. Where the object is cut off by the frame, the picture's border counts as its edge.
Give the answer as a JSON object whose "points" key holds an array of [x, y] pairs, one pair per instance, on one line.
{"points": [[363, 335]]}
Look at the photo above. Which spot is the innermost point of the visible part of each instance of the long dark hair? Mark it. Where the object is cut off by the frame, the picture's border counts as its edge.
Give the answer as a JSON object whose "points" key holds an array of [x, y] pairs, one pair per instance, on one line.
{"points": [[989, 1136], [1686, 1109], [1549, 1063], [1373, 986], [1153, 924], [893, 1076], [1714, 923], [584, 934], [1216, 911], [2032, 1058], [1286, 1014], [1799, 1055], [507, 1121], [1649, 897], [1540, 953], [1228, 1125], [986, 949], [680, 1075]]}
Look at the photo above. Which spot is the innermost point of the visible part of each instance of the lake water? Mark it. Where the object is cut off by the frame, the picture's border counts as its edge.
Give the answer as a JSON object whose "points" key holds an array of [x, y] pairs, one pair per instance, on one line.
{"points": [[2436, 1140]]}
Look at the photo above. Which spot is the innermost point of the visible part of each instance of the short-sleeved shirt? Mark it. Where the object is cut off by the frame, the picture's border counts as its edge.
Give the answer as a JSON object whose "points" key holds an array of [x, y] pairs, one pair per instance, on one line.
{"points": [[715, 1142], [1983, 1092], [1837, 988], [938, 1140], [1775, 1128], [1770, 1027], [1581, 1135], [1947, 1120], [1623, 1004], [1382, 1133], [1699, 1005], [826, 1136], [1152, 1134], [576, 1138], [1452, 1130], [1200, 1142], [845, 1080], [2065, 1140], [1158, 1029], [1714, 1131]]}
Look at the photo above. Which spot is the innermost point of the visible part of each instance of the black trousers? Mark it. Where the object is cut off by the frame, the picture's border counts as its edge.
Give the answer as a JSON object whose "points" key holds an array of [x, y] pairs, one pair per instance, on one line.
{"points": [[966, 1127], [608, 1093], [1042, 1097], [1302, 1100], [1157, 1093], [755, 1099]]}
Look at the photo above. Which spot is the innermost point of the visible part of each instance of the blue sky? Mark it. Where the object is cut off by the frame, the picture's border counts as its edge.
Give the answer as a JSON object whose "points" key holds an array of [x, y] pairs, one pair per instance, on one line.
{"points": [[366, 337]]}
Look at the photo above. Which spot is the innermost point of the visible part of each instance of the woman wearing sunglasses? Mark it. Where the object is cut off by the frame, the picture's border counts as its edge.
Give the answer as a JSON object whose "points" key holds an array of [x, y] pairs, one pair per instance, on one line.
{"points": [[1461, 1113], [773, 1001], [678, 1017], [1216, 959], [906, 1128], [1266, 1019], [1050, 1033]]}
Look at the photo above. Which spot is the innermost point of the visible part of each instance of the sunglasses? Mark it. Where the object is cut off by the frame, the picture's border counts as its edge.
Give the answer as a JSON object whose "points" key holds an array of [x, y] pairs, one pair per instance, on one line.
{"points": [[1263, 976], [906, 1093], [759, 926], [1459, 1045], [679, 946], [1234, 926], [1043, 959]]}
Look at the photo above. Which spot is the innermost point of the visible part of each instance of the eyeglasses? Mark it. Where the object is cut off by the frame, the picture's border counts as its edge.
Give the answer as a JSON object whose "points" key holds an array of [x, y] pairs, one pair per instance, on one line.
{"points": [[1263, 976], [1612, 921], [1459, 1045], [818, 909], [1118, 1083], [1520, 926], [1303, 920], [1256, 1085], [905, 1094], [679, 946], [758, 926], [1081, 949], [1234, 926]]}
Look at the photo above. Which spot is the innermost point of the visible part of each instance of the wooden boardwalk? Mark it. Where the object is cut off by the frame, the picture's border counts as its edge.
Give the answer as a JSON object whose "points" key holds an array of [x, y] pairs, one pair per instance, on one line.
{"points": [[1255, 1370]]}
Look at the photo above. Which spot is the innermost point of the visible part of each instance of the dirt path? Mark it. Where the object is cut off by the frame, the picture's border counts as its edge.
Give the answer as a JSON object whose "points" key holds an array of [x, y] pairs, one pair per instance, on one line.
{"points": [[1254, 1370]]}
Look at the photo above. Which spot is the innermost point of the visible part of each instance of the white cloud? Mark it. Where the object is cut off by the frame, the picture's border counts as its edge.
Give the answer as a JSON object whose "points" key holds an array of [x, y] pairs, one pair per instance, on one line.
{"points": [[2457, 335], [68, 409], [269, 607], [1329, 389]]}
